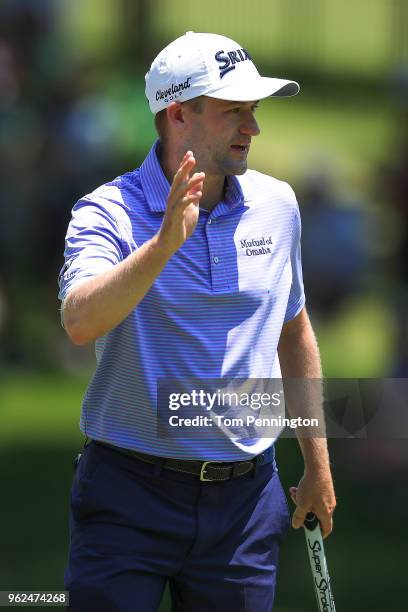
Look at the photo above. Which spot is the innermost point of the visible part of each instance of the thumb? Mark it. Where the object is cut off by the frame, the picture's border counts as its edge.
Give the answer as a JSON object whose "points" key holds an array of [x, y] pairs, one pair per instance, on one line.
{"points": [[298, 517]]}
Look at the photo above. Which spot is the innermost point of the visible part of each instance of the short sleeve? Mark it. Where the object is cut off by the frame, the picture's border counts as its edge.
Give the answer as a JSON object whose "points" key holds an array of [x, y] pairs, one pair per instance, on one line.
{"points": [[296, 299], [93, 243]]}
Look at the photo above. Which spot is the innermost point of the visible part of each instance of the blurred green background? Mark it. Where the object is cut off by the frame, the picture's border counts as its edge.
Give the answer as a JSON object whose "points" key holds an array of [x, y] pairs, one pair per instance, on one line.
{"points": [[73, 115]]}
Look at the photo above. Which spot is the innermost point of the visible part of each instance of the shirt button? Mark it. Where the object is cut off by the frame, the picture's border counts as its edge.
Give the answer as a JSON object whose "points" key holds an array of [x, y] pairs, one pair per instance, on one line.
{"points": [[209, 221], [216, 259]]}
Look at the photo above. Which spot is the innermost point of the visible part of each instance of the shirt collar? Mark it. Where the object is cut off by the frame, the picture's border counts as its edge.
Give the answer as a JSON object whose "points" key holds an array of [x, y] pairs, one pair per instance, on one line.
{"points": [[156, 187]]}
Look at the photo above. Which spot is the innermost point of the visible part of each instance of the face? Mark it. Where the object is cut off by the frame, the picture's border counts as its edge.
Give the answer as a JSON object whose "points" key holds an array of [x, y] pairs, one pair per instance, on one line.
{"points": [[220, 135]]}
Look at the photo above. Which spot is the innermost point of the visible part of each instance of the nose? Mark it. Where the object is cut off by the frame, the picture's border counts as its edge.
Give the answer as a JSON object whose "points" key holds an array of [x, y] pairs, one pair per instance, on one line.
{"points": [[249, 125]]}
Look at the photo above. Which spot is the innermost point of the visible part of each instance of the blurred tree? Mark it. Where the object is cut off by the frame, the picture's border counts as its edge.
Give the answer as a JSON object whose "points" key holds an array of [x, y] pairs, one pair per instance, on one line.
{"points": [[308, 18], [137, 39], [399, 25]]}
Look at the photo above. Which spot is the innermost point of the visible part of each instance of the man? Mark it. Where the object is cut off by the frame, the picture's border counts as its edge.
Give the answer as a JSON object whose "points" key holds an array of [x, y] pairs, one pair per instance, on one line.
{"points": [[198, 280]]}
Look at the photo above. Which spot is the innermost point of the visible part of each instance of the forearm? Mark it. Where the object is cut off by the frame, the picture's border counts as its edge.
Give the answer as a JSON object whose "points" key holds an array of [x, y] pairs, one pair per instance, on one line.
{"points": [[301, 369], [298, 351], [98, 305]]}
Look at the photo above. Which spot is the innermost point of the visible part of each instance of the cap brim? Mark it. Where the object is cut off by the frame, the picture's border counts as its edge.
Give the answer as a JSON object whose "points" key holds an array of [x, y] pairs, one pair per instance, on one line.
{"points": [[261, 88]]}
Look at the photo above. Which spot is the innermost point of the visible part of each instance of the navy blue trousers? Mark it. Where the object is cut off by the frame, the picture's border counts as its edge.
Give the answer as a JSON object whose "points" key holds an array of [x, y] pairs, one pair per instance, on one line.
{"points": [[134, 527]]}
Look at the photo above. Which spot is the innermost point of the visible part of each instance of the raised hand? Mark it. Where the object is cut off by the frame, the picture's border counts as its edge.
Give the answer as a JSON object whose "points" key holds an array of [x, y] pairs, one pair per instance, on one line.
{"points": [[181, 216]]}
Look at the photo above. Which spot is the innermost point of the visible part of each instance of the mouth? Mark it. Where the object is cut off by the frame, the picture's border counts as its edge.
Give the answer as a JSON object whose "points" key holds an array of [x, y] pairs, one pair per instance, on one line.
{"points": [[240, 148]]}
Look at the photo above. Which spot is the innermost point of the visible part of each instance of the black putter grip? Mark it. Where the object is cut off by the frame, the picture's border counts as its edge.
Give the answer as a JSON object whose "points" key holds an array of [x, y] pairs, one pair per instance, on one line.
{"points": [[311, 521]]}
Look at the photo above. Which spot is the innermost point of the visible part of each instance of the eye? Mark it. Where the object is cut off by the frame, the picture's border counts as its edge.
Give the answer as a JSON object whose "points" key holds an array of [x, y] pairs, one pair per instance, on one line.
{"points": [[237, 109]]}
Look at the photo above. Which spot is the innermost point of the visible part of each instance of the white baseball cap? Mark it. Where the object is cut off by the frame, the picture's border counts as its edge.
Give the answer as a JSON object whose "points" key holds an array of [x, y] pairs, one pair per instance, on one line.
{"points": [[200, 64]]}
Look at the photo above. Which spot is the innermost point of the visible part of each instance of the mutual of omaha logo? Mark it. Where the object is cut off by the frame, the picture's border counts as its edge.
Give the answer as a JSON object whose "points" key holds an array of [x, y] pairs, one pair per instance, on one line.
{"points": [[230, 58], [257, 246], [174, 91]]}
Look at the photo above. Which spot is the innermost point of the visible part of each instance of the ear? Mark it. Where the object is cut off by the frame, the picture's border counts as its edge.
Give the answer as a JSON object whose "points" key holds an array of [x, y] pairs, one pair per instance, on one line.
{"points": [[175, 115]]}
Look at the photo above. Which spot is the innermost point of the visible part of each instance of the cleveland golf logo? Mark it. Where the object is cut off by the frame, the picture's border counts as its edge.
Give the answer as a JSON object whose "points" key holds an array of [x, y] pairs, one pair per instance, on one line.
{"points": [[174, 91], [229, 59]]}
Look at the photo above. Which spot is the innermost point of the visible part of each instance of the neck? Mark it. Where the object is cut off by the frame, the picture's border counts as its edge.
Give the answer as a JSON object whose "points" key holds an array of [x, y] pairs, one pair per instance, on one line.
{"points": [[214, 185], [213, 191]]}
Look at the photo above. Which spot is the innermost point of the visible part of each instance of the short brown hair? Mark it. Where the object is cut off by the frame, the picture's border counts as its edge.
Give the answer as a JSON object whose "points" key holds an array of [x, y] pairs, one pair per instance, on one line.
{"points": [[160, 118], [160, 125]]}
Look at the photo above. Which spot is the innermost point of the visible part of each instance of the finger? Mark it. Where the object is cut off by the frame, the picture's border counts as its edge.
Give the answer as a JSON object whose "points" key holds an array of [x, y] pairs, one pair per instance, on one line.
{"points": [[192, 198], [196, 181], [198, 177], [184, 169], [187, 155], [196, 189], [188, 158], [298, 517], [293, 493], [326, 525]]}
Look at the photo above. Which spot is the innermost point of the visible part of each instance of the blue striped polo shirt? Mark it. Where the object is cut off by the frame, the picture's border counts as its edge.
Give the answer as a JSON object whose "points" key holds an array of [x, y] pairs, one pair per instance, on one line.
{"points": [[215, 311]]}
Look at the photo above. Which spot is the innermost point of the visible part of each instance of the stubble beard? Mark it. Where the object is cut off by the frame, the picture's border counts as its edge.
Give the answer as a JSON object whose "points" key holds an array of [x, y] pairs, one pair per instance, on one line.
{"points": [[218, 163], [228, 167]]}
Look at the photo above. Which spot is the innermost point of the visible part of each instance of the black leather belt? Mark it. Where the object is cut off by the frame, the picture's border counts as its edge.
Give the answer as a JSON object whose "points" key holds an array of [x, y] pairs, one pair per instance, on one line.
{"points": [[207, 471]]}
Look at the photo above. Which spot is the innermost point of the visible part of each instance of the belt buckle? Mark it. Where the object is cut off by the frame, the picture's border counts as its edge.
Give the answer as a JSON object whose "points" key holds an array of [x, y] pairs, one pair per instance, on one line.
{"points": [[202, 471]]}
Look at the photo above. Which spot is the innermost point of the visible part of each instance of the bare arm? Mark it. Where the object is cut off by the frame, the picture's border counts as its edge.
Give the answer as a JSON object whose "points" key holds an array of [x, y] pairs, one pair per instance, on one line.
{"points": [[299, 359], [98, 305]]}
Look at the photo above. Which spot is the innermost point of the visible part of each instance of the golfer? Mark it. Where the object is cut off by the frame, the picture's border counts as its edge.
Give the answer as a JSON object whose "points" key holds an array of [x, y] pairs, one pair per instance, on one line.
{"points": [[187, 268]]}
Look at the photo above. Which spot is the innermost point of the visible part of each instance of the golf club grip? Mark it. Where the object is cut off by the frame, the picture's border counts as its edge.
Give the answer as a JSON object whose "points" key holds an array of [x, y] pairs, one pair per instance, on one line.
{"points": [[311, 521], [317, 558]]}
